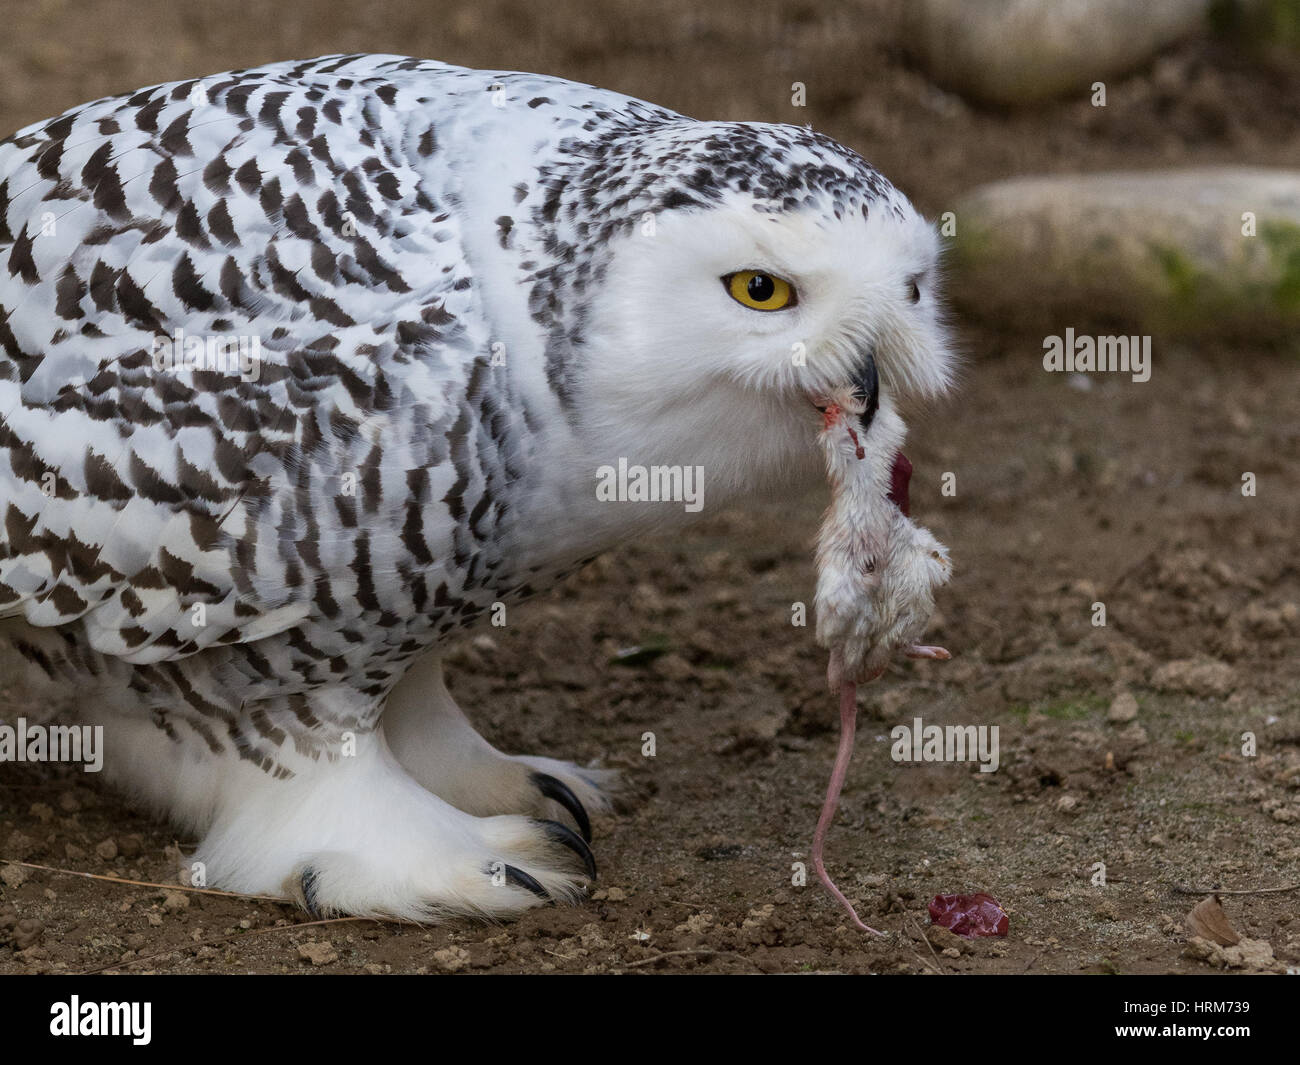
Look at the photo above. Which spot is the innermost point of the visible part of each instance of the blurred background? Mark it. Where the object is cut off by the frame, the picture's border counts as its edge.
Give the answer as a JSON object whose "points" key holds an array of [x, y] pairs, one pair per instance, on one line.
{"points": [[1183, 86], [1121, 743]]}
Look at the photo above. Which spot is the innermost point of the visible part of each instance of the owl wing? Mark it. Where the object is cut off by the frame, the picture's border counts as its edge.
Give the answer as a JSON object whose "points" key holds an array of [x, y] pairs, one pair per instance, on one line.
{"points": [[207, 292]]}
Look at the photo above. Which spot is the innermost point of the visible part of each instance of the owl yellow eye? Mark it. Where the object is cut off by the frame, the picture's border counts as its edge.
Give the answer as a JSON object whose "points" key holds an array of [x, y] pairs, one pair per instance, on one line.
{"points": [[758, 291]]}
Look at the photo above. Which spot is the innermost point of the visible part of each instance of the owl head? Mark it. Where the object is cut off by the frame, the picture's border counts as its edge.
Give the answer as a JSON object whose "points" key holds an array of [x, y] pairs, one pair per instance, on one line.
{"points": [[732, 279]]}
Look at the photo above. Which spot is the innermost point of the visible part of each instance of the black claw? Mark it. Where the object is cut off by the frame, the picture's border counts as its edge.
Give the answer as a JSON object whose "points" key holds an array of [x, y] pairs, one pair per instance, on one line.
{"points": [[554, 788], [565, 836], [308, 884], [521, 879]]}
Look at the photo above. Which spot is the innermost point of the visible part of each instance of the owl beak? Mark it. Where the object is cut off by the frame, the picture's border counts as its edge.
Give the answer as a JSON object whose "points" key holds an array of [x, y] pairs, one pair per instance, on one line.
{"points": [[866, 391]]}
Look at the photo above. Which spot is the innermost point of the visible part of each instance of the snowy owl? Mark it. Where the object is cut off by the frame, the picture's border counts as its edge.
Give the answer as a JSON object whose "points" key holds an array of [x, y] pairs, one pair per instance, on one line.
{"points": [[305, 369]]}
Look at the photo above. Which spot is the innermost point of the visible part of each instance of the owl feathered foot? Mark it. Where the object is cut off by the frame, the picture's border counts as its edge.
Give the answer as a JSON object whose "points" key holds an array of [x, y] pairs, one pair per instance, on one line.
{"points": [[357, 835], [309, 894], [439, 747]]}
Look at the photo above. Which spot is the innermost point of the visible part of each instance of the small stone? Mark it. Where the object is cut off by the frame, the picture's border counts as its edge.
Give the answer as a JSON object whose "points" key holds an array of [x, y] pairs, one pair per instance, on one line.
{"points": [[1123, 709], [1067, 804], [13, 876], [673, 667], [451, 959], [1135, 735], [27, 933], [696, 924], [130, 846], [20, 847], [175, 901], [1195, 676], [945, 940], [107, 849], [317, 952], [1106, 910], [1250, 955]]}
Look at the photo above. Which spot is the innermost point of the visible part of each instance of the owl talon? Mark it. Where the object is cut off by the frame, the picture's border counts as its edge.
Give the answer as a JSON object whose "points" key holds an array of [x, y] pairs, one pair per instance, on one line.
{"points": [[555, 789], [521, 879], [566, 837], [307, 885]]}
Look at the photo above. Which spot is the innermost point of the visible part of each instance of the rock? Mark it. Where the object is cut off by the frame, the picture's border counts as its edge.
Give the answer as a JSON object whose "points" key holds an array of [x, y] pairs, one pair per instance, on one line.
{"points": [[1021, 51], [175, 901], [21, 847], [1252, 955], [1195, 676], [131, 846], [13, 876], [674, 667], [27, 933], [1166, 251], [1123, 709], [107, 849], [451, 959], [1134, 736], [317, 952], [696, 924], [944, 940]]}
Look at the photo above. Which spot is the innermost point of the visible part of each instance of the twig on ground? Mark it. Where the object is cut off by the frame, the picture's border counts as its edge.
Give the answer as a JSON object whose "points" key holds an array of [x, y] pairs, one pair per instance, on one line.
{"points": [[1183, 889], [921, 932], [146, 883]]}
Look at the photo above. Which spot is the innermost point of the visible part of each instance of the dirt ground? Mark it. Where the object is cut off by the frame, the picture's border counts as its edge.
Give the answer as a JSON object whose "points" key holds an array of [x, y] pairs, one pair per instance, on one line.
{"points": [[1128, 495]]}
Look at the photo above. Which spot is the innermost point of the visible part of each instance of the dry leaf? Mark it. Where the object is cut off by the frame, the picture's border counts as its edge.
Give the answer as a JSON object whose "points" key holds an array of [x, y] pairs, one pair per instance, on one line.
{"points": [[1208, 921]]}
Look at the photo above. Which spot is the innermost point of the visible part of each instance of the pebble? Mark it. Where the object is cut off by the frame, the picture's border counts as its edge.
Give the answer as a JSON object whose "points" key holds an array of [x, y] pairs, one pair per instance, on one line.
{"points": [[451, 959], [317, 952], [175, 901], [1195, 676], [27, 933], [1123, 709]]}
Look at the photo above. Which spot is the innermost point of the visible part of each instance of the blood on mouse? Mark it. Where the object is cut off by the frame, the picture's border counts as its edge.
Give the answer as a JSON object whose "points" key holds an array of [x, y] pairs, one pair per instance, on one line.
{"points": [[900, 476], [969, 916]]}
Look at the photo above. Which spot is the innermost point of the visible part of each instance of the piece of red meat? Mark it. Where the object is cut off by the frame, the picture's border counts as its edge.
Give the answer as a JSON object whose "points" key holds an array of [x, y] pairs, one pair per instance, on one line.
{"points": [[969, 916]]}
